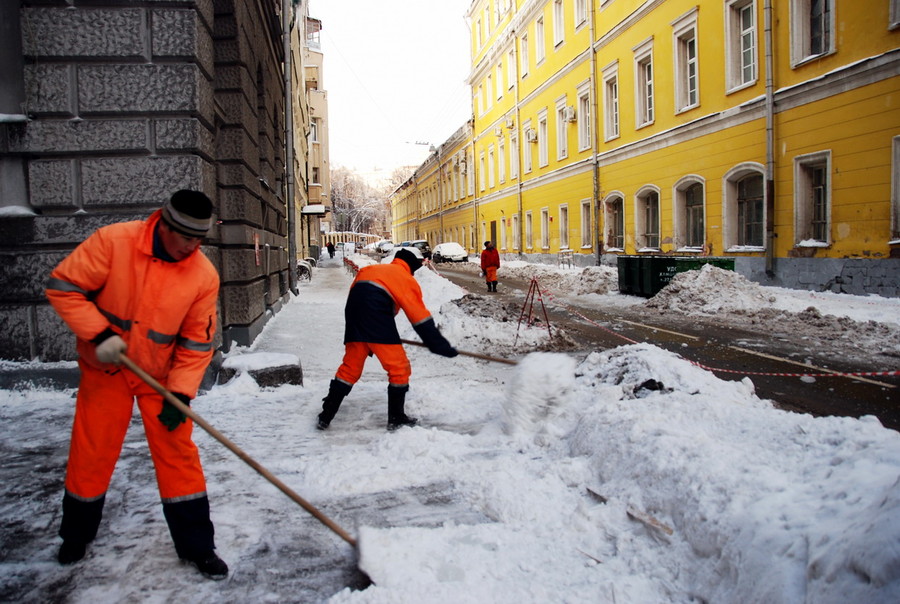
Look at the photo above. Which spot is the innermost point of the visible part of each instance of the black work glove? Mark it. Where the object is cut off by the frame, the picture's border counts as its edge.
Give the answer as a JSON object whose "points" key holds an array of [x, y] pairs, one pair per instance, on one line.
{"points": [[171, 417], [433, 339]]}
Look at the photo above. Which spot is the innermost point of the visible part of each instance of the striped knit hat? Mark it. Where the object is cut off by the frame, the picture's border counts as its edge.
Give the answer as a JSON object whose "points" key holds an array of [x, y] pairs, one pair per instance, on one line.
{"points": [[188, 213]]}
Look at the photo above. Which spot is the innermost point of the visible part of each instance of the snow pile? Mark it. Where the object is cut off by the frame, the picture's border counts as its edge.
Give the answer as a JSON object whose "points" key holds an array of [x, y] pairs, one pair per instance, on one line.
{"points": [[571, 280], [710, 290]]}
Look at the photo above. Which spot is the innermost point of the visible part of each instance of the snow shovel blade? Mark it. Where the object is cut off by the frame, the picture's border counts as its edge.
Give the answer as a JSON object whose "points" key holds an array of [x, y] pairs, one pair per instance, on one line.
{"points": [[173, 400]]}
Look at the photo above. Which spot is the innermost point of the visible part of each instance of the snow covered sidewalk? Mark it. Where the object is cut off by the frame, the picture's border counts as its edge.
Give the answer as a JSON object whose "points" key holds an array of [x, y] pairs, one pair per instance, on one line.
{"points": [[490, 500]]}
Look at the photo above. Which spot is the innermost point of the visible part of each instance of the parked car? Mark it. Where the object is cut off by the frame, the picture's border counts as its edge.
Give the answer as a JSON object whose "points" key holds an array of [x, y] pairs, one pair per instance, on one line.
{"points": [[449, 252], [384, 246], [423, 246]]}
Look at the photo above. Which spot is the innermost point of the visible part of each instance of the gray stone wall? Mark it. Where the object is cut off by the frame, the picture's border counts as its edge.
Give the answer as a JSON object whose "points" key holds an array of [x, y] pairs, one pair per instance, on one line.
{"points": [[126, 103]]}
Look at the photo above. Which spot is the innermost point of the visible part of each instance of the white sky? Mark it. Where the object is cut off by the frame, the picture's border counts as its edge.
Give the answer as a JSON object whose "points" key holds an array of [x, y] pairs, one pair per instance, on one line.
{"points": [[395, 73]]}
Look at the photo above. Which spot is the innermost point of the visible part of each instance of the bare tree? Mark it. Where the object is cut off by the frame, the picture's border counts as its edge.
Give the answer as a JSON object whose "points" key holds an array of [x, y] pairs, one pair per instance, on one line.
{"points": [[357, 206]]}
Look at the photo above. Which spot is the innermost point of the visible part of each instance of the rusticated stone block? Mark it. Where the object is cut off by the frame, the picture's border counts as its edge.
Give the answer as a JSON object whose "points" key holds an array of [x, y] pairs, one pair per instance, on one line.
{"points": [[234, 78], [273, 293], [63, 32], [140, 88], [52, 183], [15, 335], [186, 134], [237, 110], [63, 136], [48, 89], [241, 265], [237, 205], [146, 181], [24, 274], [242, 304], [238, 175], [237, 144], [55, 341], [180, 33], [24, 231]]}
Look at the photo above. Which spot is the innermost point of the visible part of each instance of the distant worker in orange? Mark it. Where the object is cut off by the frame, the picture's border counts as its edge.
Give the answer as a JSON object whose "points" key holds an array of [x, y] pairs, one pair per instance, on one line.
{"points": [[143, 287], [490, 262], [376, 296]]}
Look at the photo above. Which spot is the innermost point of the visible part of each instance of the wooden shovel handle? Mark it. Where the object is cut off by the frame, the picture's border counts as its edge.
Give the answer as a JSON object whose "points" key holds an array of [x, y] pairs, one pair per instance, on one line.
{"points": [[173, 400], [469, 354]]}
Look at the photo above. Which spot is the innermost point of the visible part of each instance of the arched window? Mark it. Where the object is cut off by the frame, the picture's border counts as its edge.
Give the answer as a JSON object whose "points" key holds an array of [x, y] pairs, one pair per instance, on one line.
{"points": [[614, 220], [744, 208], [690, 211], [646, 218]]}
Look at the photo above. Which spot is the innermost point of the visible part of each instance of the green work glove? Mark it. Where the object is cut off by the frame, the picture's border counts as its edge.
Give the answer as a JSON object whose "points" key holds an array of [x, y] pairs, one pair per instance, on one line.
{"points": [[171, 417]]}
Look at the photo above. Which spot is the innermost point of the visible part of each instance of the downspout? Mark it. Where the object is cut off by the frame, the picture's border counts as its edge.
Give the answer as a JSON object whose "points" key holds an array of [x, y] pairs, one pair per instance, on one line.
{"points": [[520, 150], [595, 141], [290, 206], [770, 144]]}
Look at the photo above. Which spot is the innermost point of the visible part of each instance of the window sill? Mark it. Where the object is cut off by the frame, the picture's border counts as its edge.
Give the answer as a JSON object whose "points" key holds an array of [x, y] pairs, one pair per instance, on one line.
{"points": [[739, 87], [615, 250], [812, 243], [690, 250], [745, 248]]}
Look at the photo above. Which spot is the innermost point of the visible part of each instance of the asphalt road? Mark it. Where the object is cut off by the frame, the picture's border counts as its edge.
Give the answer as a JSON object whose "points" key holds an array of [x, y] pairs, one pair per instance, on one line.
{"points": [[731, 352]]}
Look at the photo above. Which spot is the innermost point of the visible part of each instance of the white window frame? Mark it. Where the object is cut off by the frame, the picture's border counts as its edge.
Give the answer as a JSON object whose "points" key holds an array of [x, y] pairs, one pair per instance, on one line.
{"points": [[730, 222], [523, 55], [804, 212], [895, 189], [611, 101], [314, 130], [501, 161], [559, 23], [539, 41], [587, 231], [562, 131], [894, 16], [564, 226], [583, 116], [680, 214], [489, 88], [642, 230], [510, 69], [529, 230], [616, 197], [545, 228], [580, 12], [802, 32], [470, 168], [517, 235], [526, 150], [513, 155], [503, 232], [741, 45], [643, 88], [481, 172], [499, 81], [542, 134], [687, 70], [491, 160]]}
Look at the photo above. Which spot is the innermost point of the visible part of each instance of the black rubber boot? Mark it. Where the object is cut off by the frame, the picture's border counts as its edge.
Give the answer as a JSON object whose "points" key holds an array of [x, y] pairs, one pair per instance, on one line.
{"points": [[192, 532], [337, 390], [80, 522], [494, 286], [396, 401]]}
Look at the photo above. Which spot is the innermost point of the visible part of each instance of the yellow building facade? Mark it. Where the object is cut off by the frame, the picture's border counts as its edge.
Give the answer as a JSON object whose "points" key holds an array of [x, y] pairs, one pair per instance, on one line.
{"points": [[749, 129]]}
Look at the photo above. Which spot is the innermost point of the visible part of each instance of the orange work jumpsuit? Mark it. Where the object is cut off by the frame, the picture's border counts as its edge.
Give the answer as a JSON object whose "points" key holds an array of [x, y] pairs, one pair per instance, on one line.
{"points": [[166, 313]]}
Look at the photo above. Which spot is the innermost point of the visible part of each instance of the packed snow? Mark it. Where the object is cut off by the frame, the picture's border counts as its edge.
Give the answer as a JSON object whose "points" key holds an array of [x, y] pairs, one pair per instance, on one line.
{"points": [[624, 475]]}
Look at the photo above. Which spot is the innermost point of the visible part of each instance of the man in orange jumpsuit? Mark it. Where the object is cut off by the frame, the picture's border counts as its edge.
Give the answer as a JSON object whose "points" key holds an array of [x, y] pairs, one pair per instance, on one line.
{"points": [[490, 262], [376, 296], [145, 288]]}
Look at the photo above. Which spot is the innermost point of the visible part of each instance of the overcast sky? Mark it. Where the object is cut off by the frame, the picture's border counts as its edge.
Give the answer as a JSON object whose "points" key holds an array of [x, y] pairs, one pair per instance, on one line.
{"points": [[395, 73]]}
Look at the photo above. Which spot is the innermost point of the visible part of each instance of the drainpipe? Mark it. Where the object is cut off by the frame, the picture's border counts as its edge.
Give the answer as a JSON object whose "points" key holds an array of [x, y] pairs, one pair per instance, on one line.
{"points": [[290, 207], [595, 140], [770, 144]]}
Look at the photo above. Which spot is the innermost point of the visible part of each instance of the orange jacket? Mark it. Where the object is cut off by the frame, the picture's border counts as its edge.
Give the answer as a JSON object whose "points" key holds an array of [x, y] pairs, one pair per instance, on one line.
{"points": [[490, 257], [165, 311], [376, 295]]}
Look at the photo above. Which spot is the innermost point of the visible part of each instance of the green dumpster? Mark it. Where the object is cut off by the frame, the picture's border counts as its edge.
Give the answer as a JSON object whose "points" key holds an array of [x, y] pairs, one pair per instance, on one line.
{"points": [[647, 275]]}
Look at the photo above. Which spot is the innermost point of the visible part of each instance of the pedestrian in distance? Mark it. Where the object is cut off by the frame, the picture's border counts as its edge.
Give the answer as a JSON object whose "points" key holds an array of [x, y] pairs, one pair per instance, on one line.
{"points": [[376, 295], [143, 287], [490, 262], [330, 248]]}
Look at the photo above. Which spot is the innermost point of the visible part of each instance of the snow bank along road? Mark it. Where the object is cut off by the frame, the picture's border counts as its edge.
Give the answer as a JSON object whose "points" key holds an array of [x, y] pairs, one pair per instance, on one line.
{"points": [[777, 364]]}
